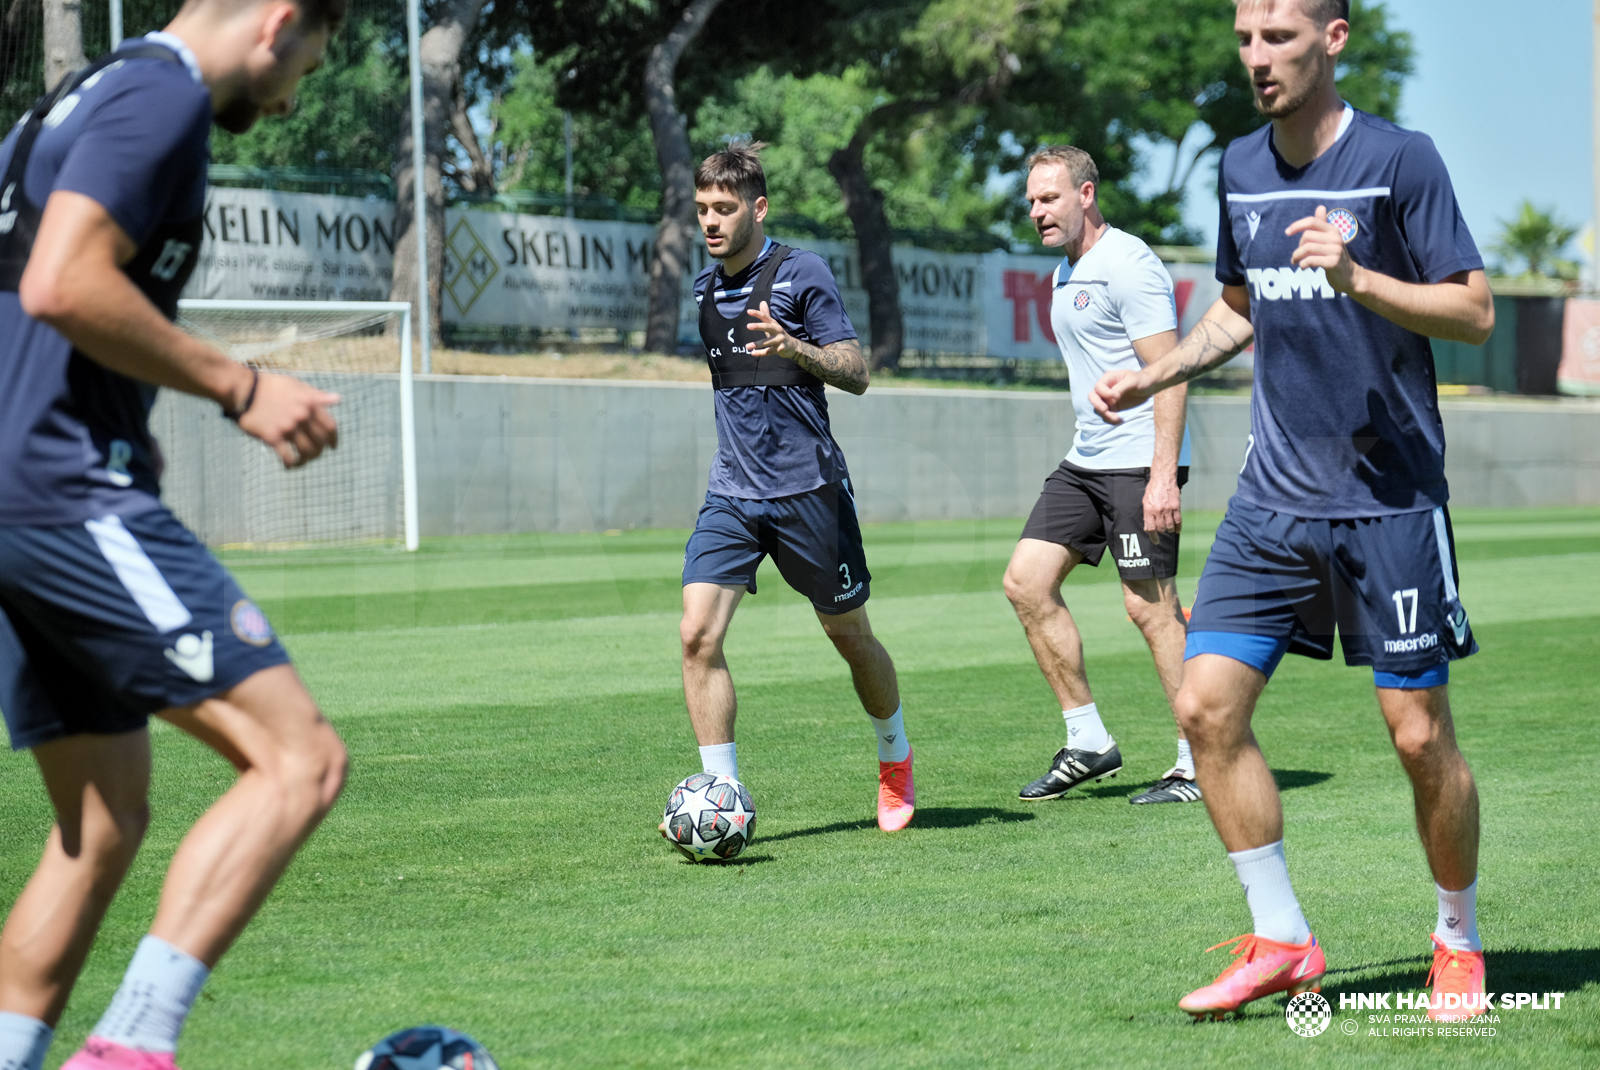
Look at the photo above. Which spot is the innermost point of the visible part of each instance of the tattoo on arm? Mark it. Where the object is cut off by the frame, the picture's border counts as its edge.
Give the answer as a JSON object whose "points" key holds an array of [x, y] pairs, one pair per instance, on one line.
{"points": [[839, 364], [1208, 345]]}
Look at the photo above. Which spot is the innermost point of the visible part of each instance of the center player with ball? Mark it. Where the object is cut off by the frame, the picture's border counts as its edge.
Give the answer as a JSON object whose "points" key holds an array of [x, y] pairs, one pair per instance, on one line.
{"points": [[775, 331]]}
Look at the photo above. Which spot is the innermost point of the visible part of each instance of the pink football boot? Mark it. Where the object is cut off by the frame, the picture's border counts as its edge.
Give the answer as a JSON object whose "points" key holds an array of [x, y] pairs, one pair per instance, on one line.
{"points": [[1260, 968]]}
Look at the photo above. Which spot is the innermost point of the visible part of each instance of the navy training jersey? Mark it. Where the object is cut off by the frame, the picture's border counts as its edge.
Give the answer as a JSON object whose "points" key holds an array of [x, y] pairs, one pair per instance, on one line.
{"points": [[74, 436], [774, 441], [1344, 416]]}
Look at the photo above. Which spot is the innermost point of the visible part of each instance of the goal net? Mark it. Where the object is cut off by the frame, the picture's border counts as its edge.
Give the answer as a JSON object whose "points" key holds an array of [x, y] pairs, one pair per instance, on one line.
{"points": [[232, 491]]}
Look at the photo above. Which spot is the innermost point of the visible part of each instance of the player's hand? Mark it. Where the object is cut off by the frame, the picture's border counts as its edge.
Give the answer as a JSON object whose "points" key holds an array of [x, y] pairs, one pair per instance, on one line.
{"points": [[1118, 389], [1163, 507], [775, 341], [1321, 246], [292, 417]]}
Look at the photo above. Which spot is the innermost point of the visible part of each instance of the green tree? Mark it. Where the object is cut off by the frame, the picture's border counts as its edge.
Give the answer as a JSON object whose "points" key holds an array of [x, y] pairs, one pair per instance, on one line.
{"points": [[660, 58], [348, 113], [612, 154], [1535, 240], [1168, 71], [889, 116], [948, 61], [929, 179]]}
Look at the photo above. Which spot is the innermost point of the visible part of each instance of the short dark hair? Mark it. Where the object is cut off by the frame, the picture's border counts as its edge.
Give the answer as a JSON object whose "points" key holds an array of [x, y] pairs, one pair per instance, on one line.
{"points": [[736, 168], [1079, 164]]}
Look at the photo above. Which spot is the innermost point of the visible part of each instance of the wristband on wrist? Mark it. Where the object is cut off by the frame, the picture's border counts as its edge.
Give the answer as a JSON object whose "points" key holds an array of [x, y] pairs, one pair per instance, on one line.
{"points": [[249, 399]]}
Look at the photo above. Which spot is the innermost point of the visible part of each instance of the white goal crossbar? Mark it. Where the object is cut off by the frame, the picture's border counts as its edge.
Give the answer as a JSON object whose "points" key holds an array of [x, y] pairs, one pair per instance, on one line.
{"points": [[408, 445]]}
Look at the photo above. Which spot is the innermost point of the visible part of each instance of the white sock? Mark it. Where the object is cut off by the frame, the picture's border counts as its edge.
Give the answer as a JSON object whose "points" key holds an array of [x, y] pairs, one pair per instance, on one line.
{"points": [[1185, 758], [720, 758], [1084, 730], [1458, 918], [150, 1006], [1265, 876], [23, 1042], [892, 743]]}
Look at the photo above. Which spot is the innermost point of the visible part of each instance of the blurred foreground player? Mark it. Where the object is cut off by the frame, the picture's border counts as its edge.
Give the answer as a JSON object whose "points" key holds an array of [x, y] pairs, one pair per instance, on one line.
{"points": [[1112, 307], [775, 331], [1341, 250], [110, 610]]}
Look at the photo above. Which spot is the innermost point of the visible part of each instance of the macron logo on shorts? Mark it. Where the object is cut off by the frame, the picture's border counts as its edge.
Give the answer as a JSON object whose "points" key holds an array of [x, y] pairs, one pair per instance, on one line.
{"points": [[192, 654], [1132, 552]]}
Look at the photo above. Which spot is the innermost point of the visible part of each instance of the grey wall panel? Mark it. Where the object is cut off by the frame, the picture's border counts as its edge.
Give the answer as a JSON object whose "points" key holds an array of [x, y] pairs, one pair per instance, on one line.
{"points": [[505, 455]]}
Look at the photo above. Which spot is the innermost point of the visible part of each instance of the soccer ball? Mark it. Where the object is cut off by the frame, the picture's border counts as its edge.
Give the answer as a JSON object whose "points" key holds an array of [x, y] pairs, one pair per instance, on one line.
{"points": [[710, 817], [426, 1047]]}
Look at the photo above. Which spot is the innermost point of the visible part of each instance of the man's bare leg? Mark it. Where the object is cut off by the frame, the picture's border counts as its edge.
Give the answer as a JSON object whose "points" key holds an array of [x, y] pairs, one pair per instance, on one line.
{"points": [[1154, 607], [707, 683], [98, 786], [291, 767], [1215, 704], [872, 672], [1446, 800], [1033, 584], [871, 668]]}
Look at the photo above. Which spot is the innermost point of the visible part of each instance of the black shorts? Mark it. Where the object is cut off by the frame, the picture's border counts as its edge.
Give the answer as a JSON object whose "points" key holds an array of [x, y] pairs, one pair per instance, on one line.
{"points": [[813, 538], [1086, 508], [107, 622]]}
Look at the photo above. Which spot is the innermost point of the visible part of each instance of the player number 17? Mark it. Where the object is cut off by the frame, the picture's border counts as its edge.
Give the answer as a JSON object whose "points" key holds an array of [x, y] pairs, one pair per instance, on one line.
{"points": [[1400, 597]]}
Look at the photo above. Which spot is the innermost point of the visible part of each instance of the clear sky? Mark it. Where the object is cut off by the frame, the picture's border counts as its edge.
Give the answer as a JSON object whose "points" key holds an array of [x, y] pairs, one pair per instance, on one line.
{"points": [[1505, 91]]}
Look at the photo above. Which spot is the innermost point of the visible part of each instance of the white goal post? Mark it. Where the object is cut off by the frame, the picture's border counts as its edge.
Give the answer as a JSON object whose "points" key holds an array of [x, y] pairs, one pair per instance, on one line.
{"points": [[234, 492]]}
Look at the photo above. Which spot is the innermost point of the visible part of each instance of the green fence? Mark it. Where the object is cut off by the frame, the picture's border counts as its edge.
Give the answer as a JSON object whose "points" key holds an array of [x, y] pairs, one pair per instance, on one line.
{"points": [[1493, 364]]}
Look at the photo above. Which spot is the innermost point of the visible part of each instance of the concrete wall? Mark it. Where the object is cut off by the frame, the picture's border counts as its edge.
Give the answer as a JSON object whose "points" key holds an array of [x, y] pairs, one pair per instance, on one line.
{"points": [[505, 455]]}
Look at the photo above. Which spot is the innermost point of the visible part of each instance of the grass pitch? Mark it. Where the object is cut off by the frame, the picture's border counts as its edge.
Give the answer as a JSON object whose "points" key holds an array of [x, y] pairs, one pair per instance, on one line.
{"points": [[515, 719]]}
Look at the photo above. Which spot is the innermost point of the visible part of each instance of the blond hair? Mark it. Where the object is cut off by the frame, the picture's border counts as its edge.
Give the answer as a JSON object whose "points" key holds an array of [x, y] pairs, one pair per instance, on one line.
{"points": [[1079, 164]]}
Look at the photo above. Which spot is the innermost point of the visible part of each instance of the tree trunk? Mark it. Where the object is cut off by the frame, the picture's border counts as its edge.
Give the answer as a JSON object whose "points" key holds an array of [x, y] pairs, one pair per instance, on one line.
{"points": [[675, 233], [441, 49], [14, 34], [63, 40], [864, 205], [874, 238], [874, 245], [479, 177]]}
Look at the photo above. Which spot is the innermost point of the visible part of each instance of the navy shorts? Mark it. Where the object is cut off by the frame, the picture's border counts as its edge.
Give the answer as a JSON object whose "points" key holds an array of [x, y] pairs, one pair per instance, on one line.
{"points": [[1275, 584], [813, 538], [1088, 508], [106, 622]]}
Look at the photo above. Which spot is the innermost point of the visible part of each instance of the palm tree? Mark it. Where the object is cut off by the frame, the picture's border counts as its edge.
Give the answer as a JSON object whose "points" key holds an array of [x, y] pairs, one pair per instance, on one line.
{"points": [[1536, 239]]}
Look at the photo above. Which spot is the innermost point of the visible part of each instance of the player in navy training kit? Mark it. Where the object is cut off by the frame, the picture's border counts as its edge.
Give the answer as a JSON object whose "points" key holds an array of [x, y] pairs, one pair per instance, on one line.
{"points": [[110, 610], [775, 331], [1341, 250]]}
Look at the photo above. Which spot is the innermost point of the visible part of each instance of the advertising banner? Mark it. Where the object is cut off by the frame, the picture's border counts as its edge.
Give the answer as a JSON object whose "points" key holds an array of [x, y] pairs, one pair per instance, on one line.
{"points": [[267, 245], [1017, 302], [504, 269]]}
